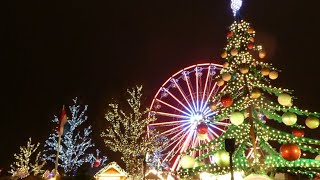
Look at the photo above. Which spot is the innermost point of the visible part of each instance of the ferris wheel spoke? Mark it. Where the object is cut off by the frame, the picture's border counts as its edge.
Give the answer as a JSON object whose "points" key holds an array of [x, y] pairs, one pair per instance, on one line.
{"points": [[177, 144], [169, 123], [207, 99], [175, 98], [190, 91], [172, 115], [184, 146], [211, 113], [184, 96], [222, 123], [167, 131], [197, 87], [214, 133], [205, 88], [169, 105], [216, 127]]}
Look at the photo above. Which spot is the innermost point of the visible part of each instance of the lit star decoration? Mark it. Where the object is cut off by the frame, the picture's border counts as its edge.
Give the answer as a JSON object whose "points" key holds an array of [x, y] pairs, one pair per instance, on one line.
{"points": [[235, 6]]}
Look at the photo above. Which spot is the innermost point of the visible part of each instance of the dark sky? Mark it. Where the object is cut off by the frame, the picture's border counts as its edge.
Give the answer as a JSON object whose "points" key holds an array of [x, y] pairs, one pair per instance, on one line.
{"points": [[52, 51]]}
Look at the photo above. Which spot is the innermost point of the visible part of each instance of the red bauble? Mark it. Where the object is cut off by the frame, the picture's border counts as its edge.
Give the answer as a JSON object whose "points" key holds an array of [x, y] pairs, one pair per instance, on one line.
{"points": [[290, 152], [226, 100], [230, 34], [250, 46], [202, 128], [298, 132], [97, 162]]}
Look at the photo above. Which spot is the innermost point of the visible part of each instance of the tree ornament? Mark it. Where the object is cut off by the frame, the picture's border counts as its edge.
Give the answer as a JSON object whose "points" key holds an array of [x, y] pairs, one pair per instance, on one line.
{"points": [[213, 106], [224, 54], [202, 136], [220, 82], [273, 75], [226, 76], [225, 65], [290, 152], [237, 118], [298, 132], [250, 46], [187, 161], [234, 52], [198, 163], [317, 158], [229, 34], [262, 54], [289, 118], [265, 71], [255, 94], [312, 122], [251, 39], [202, 128], [222, 158], [226, 100], [250, 30], [244, 68], [97, 162], [284, 99]]}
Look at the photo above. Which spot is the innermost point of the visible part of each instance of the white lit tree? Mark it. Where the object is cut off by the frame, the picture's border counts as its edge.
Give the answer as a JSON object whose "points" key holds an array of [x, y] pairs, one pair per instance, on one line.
{"points": [[127, 132], [75, 142], [23, 166]]}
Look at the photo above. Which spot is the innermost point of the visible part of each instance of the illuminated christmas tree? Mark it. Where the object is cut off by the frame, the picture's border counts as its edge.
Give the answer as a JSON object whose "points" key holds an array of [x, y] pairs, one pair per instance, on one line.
{"points": [[23, 166], [76, 143], [127, 133], [248, 101]]}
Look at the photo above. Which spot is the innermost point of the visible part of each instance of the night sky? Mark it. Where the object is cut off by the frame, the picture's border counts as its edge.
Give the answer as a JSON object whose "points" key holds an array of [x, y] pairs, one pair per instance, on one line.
{"points": [[53, 51]]}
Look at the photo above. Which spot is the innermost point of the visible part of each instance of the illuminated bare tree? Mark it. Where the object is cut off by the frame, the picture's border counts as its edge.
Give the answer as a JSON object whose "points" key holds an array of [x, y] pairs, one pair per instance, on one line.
{"points": [[127, 132], [23, 167]]}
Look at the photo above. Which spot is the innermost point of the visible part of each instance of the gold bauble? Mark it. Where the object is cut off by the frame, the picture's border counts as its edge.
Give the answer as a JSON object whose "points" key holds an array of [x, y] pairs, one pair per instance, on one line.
{"points": [[265, 71], [234, 52], [220, 82], [255, 93], [213, 106], [244, 68], [251, 39], [250, 30], [225, 65], [224, 54], [226, 76], [284, 99], [262, 54], [273, 75]]}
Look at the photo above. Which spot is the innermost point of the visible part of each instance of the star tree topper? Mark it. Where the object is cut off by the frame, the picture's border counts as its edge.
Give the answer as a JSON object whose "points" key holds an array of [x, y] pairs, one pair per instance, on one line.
{"points": [[235, 6]]}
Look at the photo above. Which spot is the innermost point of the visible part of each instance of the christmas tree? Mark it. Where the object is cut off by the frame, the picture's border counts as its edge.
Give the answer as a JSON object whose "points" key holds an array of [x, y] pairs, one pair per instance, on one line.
{"points": [[76, 143], [248, 101]]}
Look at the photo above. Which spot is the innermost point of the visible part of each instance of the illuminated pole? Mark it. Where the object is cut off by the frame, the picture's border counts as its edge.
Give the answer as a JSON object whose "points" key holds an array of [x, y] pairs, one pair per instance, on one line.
{"points": [[57, 156]]}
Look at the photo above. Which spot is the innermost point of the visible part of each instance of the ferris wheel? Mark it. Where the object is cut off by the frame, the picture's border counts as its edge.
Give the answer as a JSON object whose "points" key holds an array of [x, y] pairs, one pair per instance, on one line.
{"points": [[182, 111]]}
